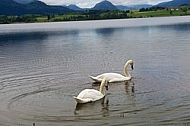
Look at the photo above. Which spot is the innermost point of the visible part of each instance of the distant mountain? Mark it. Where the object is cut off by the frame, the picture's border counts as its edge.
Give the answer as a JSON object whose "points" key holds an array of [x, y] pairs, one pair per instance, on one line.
{"points": [[139, 6], [24, 1], [174, 3], [10, 7], [75, 7], [39, 7], [122, 7], [104, 5], [133, 7], [21, 7]]}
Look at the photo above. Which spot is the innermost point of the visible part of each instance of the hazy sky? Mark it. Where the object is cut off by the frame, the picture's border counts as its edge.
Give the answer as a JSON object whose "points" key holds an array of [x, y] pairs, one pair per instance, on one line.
{"points": [[91, 3]]}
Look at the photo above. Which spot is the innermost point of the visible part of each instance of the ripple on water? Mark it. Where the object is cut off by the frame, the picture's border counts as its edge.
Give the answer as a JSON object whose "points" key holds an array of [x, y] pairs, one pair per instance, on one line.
{"points": [[30, 93], [50, 101], [47, 98], [41, 71]]}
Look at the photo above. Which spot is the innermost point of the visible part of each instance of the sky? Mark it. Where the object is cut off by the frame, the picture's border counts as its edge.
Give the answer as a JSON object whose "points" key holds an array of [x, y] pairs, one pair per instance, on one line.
{"points": [[91, 3]]}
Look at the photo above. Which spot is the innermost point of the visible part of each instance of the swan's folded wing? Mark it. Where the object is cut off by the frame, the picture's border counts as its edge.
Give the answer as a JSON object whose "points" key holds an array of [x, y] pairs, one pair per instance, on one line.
{"points": [[93, 94], [90, 94], [119, 79], [78, 100]]}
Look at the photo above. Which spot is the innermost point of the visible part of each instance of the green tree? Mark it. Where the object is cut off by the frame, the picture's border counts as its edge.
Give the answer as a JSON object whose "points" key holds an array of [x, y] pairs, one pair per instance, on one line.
{"points": [[185, 9]]}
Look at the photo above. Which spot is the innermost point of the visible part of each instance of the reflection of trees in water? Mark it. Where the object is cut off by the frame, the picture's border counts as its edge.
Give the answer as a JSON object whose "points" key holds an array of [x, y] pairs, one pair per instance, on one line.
{"points": [[35, 36], [100, 107], [22, 36], [105, 31]]}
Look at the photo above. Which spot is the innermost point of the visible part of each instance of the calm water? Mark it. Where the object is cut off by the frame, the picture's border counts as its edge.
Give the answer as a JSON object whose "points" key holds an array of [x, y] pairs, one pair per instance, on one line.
{"points": [[42, 66]]}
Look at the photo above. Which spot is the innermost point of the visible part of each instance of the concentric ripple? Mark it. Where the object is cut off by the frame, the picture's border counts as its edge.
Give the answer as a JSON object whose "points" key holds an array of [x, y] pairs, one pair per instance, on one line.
{"points": [[42, 66]]}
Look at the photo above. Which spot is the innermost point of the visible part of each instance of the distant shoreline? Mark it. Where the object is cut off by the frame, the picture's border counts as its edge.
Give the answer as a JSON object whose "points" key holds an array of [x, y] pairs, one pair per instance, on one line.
{"points": [[101, 20], [93, 24], [96, 15]]}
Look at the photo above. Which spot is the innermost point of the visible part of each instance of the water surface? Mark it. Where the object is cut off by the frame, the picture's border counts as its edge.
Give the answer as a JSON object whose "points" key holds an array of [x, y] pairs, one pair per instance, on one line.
{"points": [[44, 65]]}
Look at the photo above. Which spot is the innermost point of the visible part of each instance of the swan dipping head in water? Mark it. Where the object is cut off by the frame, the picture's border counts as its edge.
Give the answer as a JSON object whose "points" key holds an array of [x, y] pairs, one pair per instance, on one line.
{"points": [[91, 95], [116, 77]]}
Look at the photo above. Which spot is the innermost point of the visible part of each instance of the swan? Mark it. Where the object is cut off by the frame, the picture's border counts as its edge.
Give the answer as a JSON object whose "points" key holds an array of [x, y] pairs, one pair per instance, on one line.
{"points": [[90, 95], [115, 77]]}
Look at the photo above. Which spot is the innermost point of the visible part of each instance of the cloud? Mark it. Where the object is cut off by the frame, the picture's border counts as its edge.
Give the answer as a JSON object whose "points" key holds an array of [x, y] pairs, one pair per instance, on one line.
{"points": [[91, 3]]}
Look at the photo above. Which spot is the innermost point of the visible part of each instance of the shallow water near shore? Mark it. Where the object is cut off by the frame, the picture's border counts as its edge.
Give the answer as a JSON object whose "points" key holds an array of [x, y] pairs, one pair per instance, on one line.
{"points": [[43, 65]]}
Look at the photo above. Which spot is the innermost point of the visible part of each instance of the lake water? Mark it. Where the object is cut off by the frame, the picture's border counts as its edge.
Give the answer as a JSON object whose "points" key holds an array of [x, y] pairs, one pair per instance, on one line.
{"points": [[43, 65]]}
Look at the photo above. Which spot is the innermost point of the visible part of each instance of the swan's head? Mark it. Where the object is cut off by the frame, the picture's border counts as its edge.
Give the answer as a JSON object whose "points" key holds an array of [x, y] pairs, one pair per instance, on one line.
{"points": [[131, 63]]}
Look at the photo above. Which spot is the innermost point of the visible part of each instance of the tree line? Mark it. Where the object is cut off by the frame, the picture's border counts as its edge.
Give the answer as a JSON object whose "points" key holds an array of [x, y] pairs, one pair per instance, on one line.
{"points": [[76, 16], [96, 15], [156, 8]]}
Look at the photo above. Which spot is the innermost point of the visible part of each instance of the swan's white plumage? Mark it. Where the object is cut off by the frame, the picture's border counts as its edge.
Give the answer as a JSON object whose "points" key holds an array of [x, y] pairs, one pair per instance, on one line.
{"points": [[88, 95], [115, 77], [111, 77], [91, 95]]}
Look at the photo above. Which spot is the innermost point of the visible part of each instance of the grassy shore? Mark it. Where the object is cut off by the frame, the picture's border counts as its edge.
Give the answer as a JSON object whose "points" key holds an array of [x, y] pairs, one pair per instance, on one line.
{"points": [[114, 15], [158, 13], [97, 15]]}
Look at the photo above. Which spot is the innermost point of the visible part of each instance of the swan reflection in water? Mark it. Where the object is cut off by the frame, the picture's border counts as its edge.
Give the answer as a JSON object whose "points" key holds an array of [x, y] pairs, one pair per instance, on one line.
{"points": [[100, 107], [129, 87]]}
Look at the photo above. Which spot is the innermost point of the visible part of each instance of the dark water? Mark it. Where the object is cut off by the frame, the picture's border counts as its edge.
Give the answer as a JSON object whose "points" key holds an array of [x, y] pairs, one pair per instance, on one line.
{"points": [[42, 66]]}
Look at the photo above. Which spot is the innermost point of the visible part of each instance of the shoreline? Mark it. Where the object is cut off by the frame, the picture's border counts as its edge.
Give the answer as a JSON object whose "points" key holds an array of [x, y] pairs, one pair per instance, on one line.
{"points": [[92, 16], [107, 22]]}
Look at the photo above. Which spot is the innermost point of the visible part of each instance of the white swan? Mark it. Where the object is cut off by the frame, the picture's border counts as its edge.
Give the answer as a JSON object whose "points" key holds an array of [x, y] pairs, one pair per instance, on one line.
{"points": [[90, 95], [115, 77]]}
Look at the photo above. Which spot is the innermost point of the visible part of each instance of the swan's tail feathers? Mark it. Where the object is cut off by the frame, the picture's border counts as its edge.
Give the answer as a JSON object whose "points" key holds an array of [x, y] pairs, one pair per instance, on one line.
{"points": [[86, 100], [95, 79], [78, 100]]}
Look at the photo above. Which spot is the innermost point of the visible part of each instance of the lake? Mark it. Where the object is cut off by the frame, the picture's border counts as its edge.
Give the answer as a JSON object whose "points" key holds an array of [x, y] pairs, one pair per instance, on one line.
{"points": [[43, 65]]}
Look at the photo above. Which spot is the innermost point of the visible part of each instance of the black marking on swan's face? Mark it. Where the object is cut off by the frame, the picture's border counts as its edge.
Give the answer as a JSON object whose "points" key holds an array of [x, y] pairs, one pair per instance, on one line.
{"points": [[106, 87], [132, 66]]}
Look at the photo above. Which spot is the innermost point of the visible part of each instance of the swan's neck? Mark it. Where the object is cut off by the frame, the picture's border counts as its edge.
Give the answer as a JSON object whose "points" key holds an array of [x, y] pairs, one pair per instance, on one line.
{"points": [[102, 86], [126, 70]]}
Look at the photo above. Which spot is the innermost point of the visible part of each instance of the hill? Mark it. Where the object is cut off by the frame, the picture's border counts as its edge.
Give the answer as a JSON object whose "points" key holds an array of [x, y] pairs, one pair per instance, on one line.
{"points": [[104, 5], [24, 1], [10, 7], [174, 3], [133, 7], [75, 7]]}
